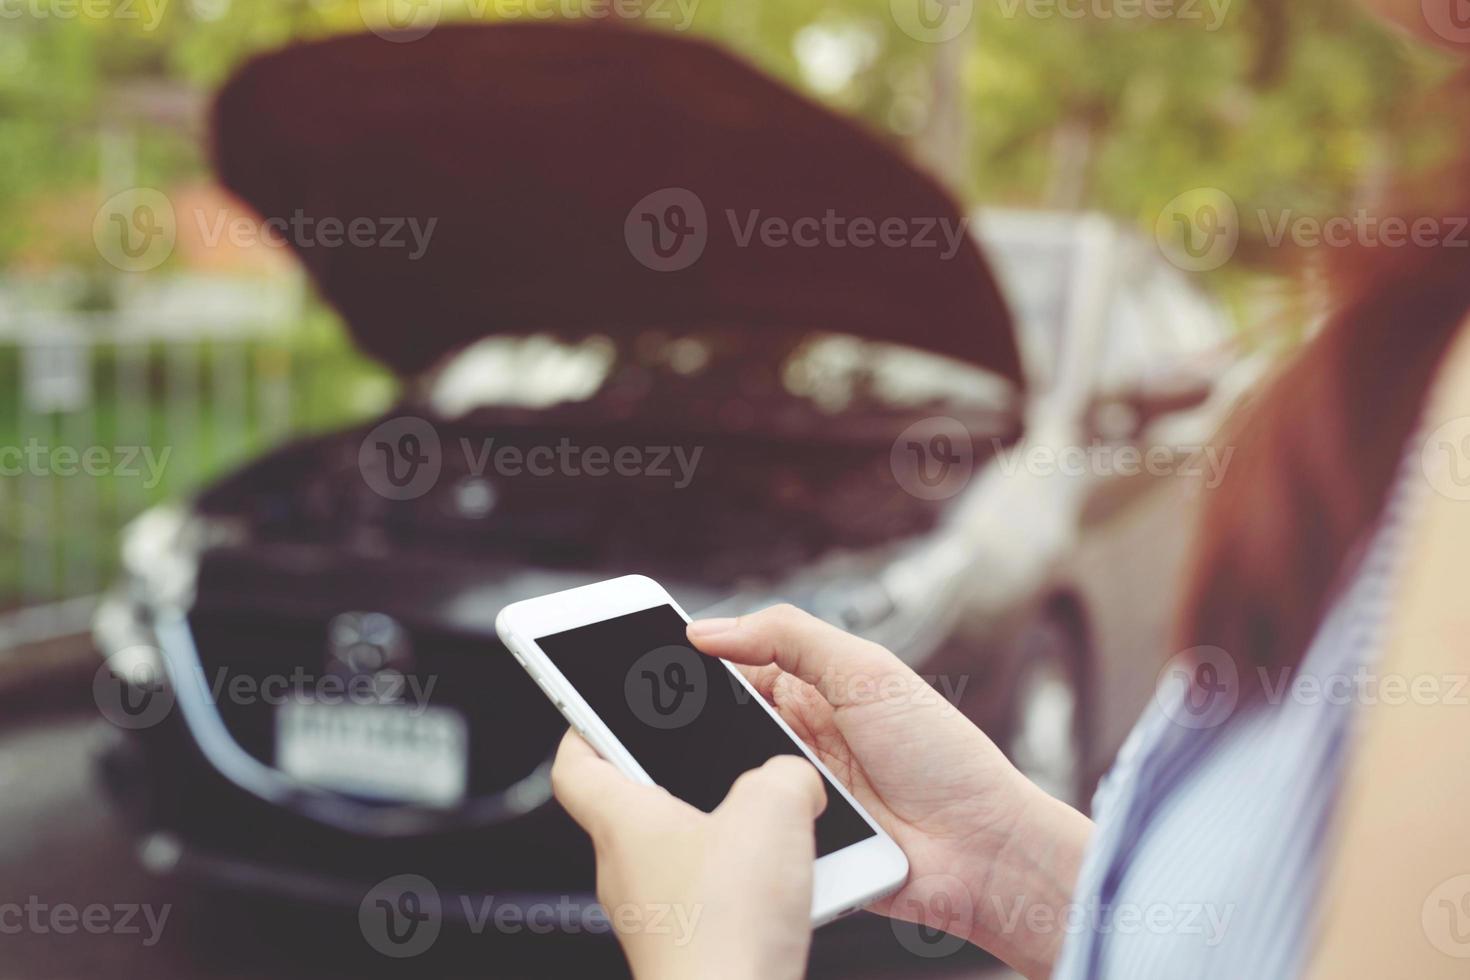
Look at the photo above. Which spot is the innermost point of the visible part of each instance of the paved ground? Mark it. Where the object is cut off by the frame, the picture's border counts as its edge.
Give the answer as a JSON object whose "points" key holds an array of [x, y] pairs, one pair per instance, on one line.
{"points": [[60, 850]]}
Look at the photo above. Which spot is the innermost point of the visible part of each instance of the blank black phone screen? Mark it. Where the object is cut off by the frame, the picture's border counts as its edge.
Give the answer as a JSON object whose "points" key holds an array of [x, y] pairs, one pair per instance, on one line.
{"points": [[682, 714]]}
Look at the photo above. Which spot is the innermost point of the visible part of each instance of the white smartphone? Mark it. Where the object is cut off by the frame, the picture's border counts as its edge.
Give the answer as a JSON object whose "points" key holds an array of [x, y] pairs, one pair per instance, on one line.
{"points": [[614, 658]]}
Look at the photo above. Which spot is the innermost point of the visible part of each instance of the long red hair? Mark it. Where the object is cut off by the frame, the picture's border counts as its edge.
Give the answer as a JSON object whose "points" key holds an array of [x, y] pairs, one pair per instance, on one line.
{"points": [[1317, 450]]}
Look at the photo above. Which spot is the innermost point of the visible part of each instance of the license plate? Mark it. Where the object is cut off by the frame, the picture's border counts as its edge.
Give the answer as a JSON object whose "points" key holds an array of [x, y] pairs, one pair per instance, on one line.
{"points": [[381, 752]]}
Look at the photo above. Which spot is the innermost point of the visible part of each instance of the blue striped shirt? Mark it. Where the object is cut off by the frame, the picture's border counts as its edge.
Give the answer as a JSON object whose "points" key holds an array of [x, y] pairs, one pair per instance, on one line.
{"points": [[1213, 832]]}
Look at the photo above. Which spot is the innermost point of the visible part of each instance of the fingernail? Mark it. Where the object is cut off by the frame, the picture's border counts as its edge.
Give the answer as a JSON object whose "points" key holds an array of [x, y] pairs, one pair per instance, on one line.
{"points": [[709, 627]]}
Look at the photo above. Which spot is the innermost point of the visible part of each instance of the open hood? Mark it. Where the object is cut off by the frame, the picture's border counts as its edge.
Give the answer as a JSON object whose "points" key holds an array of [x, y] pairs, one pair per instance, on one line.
{"points": [[543, 159]]}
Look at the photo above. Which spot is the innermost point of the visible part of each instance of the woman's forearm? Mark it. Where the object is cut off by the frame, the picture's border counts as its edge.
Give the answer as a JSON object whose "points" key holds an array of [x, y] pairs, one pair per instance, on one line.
{"points": [[1021, 908]]}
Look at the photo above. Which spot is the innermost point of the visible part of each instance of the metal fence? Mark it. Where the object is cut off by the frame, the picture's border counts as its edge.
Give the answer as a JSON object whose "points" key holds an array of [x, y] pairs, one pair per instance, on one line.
{"points": [[104, 414]]}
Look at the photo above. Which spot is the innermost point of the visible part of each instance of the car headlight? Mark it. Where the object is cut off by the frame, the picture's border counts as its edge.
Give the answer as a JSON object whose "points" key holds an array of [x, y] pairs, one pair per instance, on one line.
{"points": [[159, 565], [159, 554]]}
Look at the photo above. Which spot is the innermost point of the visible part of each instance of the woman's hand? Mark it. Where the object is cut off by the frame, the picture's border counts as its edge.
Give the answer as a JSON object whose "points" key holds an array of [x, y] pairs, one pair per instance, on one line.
{"points": [[986, 847], [726, 894]]}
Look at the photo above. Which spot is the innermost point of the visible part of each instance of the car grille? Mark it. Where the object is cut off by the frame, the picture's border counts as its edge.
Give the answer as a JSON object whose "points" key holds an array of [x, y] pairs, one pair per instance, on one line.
{"points": [[512, 727]]}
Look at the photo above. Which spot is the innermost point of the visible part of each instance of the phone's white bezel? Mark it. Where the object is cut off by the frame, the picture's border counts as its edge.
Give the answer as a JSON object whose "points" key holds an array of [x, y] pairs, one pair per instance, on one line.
{"points": [[844, 880]]}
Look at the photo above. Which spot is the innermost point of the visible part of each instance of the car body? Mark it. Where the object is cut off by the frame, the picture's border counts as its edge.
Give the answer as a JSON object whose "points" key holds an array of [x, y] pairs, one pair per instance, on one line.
{"points": [[814, 451], [1131, 370]]}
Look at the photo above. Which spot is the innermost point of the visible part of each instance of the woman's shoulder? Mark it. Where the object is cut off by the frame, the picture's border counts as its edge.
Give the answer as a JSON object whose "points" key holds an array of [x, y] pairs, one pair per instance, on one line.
{"points": [[1451, 390], [1401, 840], [1430, 595]]}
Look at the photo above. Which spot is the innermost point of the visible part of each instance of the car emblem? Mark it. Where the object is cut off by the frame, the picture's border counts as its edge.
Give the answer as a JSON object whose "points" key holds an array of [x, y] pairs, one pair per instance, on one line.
{"points": [[368, 644], [474, 497]]}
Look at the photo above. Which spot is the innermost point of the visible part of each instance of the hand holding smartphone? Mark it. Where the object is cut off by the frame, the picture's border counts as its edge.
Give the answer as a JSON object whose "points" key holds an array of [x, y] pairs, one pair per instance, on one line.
{"points": [[613, 657]]}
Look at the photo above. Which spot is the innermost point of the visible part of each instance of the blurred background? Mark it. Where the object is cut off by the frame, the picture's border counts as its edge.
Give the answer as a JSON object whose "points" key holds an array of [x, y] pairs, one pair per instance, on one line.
{"points": [[1304, 107], [1100, 147]]}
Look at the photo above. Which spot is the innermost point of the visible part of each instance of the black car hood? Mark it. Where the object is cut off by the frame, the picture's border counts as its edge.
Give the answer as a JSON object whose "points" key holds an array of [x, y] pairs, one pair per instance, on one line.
{"points": [[531, 152]]}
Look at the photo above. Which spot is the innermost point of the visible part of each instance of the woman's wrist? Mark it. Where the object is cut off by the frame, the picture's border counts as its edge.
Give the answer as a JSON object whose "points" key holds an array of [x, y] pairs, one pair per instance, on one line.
{"points": [[745, 953], [1021, 899]]}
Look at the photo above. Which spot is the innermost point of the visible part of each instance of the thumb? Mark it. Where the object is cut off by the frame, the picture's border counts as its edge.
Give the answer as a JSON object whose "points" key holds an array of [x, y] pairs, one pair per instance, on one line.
{"points": [[787, 789]]}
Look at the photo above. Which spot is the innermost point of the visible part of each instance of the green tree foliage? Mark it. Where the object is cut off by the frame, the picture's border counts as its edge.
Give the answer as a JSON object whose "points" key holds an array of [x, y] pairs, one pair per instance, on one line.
{"points": [[1072, 103]]}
